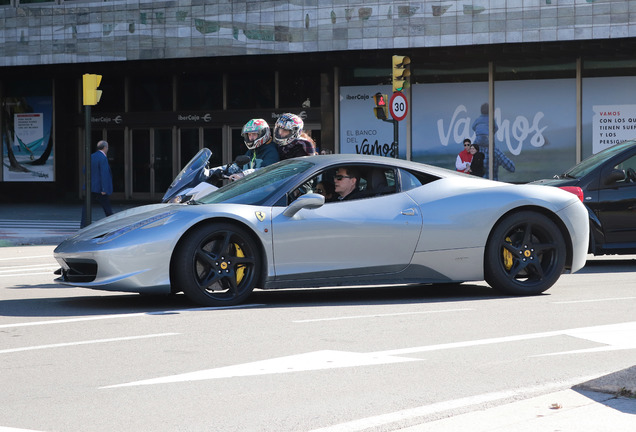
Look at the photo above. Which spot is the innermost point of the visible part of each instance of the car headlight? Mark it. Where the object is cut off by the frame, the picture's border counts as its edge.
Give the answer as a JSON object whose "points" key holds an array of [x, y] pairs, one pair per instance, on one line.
{"points": [[156, 220]]}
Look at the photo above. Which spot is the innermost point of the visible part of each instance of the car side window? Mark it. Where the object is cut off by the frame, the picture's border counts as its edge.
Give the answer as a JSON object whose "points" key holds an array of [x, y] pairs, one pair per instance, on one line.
{"points": [[410, 180], [373, 181], [628, 167]]}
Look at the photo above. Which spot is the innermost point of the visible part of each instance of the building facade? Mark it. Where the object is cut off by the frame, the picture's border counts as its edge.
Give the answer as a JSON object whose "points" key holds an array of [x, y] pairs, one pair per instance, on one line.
{"points": [[556, 78]]}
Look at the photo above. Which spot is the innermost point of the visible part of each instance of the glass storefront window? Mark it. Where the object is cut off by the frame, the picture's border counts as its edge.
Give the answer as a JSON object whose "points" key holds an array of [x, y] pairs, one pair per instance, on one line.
{"points": [[150, 93], [116, 158], [534, 69], [249, 91], [200, 92], [162, 163], [189, 146], [296, 88], [608, 107], [213, 139], [112, 100]]}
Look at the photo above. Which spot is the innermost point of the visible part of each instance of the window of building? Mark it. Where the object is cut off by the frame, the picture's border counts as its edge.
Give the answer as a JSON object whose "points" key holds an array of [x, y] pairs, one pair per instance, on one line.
{"points": [[199, 91], [150, 93], [535, 116], [295, 89], [113, 91], [249, 90]]}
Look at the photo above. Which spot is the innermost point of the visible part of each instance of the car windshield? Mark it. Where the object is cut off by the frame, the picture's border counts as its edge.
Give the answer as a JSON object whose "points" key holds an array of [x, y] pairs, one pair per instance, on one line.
{"points": [[593, 161], [256, 188]]}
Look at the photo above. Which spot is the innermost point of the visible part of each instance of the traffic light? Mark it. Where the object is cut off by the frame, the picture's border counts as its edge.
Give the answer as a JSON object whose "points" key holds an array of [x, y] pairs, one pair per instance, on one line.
{"points": [[91, 94], [401, 72], [380, 110]]}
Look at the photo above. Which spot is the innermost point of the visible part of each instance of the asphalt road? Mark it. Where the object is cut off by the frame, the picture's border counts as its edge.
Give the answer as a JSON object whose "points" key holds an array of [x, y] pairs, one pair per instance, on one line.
{"points": [[350, 359]]}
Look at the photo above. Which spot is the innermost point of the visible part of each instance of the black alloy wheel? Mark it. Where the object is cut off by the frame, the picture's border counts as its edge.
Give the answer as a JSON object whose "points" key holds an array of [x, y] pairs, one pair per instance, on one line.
{"points": [[525, 254], [216, 265]]}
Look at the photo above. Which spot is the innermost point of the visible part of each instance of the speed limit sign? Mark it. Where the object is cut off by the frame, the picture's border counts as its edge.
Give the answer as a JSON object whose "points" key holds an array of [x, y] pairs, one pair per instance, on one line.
{"points": [[398, 106]]}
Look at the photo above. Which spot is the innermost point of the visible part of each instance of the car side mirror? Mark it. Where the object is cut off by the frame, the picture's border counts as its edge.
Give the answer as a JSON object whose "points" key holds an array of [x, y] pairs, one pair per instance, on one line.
{"points": [[307, 201], [614, 176]]}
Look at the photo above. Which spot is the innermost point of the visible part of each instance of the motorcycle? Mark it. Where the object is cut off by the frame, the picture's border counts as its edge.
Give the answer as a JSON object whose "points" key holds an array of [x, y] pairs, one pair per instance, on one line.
{"points": [[197, 178]]}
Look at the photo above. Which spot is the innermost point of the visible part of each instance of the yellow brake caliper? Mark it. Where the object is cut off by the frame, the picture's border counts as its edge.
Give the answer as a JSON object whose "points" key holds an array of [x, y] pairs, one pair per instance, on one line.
{"points": [[240, 270], [507, 256]]}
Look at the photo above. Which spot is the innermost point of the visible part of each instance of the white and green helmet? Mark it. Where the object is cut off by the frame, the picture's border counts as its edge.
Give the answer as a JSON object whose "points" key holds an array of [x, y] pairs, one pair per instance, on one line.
{"points": [[260, 127]]}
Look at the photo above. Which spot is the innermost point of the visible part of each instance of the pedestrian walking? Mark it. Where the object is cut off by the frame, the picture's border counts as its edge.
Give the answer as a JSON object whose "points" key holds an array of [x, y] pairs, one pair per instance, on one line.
{"points": [[101, 181]]}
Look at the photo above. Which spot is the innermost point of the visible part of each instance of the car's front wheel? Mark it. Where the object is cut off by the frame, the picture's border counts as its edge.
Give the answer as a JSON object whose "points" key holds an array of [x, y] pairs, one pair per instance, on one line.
{"points": [[216, 265], [525, 254]]}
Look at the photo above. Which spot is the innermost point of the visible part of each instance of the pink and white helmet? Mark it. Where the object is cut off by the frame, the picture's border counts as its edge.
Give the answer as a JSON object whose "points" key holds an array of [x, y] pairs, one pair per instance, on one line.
{"points": [[290, 122]]}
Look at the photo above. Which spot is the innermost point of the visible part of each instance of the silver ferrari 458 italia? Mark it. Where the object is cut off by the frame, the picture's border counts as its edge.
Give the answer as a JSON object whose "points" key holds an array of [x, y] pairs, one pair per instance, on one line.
{"points": [[409, 223]]}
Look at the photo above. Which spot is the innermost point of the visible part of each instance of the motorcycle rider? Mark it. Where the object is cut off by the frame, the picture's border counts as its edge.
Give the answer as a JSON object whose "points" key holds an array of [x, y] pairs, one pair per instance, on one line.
{"points": [[292, 141], [261, 150]]}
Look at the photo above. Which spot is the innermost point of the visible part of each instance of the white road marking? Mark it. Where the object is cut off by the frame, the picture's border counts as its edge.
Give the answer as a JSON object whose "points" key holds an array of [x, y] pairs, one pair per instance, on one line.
{"points": [[616, 336], [318, 360], [10, 429], [595, 300], [379, 315], [28, 270], [132, 315], [427, 410], [29, 274], [26, 257], [25, 267], [20, 271], [89, 342]]}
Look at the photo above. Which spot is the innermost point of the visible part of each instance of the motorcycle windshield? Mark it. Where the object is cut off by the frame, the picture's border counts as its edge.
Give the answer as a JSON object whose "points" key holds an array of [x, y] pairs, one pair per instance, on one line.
{"points": [[190, 174]]}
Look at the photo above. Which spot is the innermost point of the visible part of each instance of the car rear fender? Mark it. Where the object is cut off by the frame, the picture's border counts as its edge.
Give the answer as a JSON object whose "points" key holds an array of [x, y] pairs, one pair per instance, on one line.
{"points": [[553, 217]]}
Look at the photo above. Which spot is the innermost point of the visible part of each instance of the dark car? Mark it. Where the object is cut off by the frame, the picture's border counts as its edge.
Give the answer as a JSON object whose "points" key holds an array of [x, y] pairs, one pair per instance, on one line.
{"points": [[608, 182]]}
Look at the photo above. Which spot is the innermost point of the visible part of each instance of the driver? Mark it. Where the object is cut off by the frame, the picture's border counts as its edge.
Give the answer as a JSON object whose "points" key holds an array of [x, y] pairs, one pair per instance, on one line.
{"points": [[261, 150], [292, 141]]}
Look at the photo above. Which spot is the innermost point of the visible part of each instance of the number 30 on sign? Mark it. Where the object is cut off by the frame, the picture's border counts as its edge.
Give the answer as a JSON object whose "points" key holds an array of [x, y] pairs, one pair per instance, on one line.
{"points": [[398, 106]]}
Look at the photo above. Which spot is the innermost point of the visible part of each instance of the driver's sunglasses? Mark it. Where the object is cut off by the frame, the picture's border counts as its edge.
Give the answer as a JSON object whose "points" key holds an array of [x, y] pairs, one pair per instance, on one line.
{"points": [[340, 177]]}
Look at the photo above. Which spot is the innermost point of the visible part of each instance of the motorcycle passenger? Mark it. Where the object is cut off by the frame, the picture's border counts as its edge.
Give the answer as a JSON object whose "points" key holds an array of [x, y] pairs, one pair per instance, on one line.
{"points": [[261, 150], [292, 141]]}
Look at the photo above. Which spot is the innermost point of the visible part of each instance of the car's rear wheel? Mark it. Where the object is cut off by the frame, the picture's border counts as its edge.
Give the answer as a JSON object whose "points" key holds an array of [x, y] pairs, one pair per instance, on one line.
{"points": [[216, 265], [525, 254]]}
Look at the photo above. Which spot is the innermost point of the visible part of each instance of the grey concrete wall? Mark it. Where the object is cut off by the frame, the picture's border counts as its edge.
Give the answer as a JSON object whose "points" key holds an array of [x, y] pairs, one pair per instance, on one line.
{"points": [[76, 31]]}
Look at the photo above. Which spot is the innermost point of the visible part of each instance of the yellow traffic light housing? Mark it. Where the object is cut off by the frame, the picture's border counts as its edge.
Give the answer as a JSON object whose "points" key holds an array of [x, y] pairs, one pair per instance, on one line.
{"points": [[380, 110], [401, 73], [91, 93]]}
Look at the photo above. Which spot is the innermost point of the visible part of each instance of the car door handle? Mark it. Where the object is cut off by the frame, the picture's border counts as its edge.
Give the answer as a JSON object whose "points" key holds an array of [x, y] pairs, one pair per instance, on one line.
{"points": [[408, 212]]}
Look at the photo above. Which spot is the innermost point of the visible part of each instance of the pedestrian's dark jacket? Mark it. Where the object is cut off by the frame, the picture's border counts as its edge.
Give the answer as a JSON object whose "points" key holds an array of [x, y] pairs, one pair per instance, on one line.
{"points": [[477, 165]]}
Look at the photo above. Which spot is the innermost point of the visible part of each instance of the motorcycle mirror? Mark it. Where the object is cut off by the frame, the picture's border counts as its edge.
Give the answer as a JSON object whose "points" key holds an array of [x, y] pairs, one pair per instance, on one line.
{"points": [[242, 160]]}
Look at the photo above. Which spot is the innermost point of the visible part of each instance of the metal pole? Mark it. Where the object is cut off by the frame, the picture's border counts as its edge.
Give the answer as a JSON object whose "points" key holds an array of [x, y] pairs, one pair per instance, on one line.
{"points": [[87, 164], [396, 143]]}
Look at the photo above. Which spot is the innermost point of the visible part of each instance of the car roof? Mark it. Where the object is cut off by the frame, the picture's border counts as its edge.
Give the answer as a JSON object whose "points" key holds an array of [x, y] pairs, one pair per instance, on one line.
{"points": [[327, 160]]}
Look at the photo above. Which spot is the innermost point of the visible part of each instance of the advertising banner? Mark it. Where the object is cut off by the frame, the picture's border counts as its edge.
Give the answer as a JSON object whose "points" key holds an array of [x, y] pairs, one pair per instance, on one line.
{"points": [[609, 112], [612, 124], [360, 131], [534, 128], [27, 147]]}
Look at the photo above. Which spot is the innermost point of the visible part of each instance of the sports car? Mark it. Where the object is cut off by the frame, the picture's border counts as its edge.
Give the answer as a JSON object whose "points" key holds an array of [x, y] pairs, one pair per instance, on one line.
{"points": [[607, 180], [410, 224]]}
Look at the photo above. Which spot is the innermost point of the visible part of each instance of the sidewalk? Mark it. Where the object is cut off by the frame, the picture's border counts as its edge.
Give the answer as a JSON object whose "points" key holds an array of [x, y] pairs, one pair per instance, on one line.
{"points": [[593, 406], [46, 224]]}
